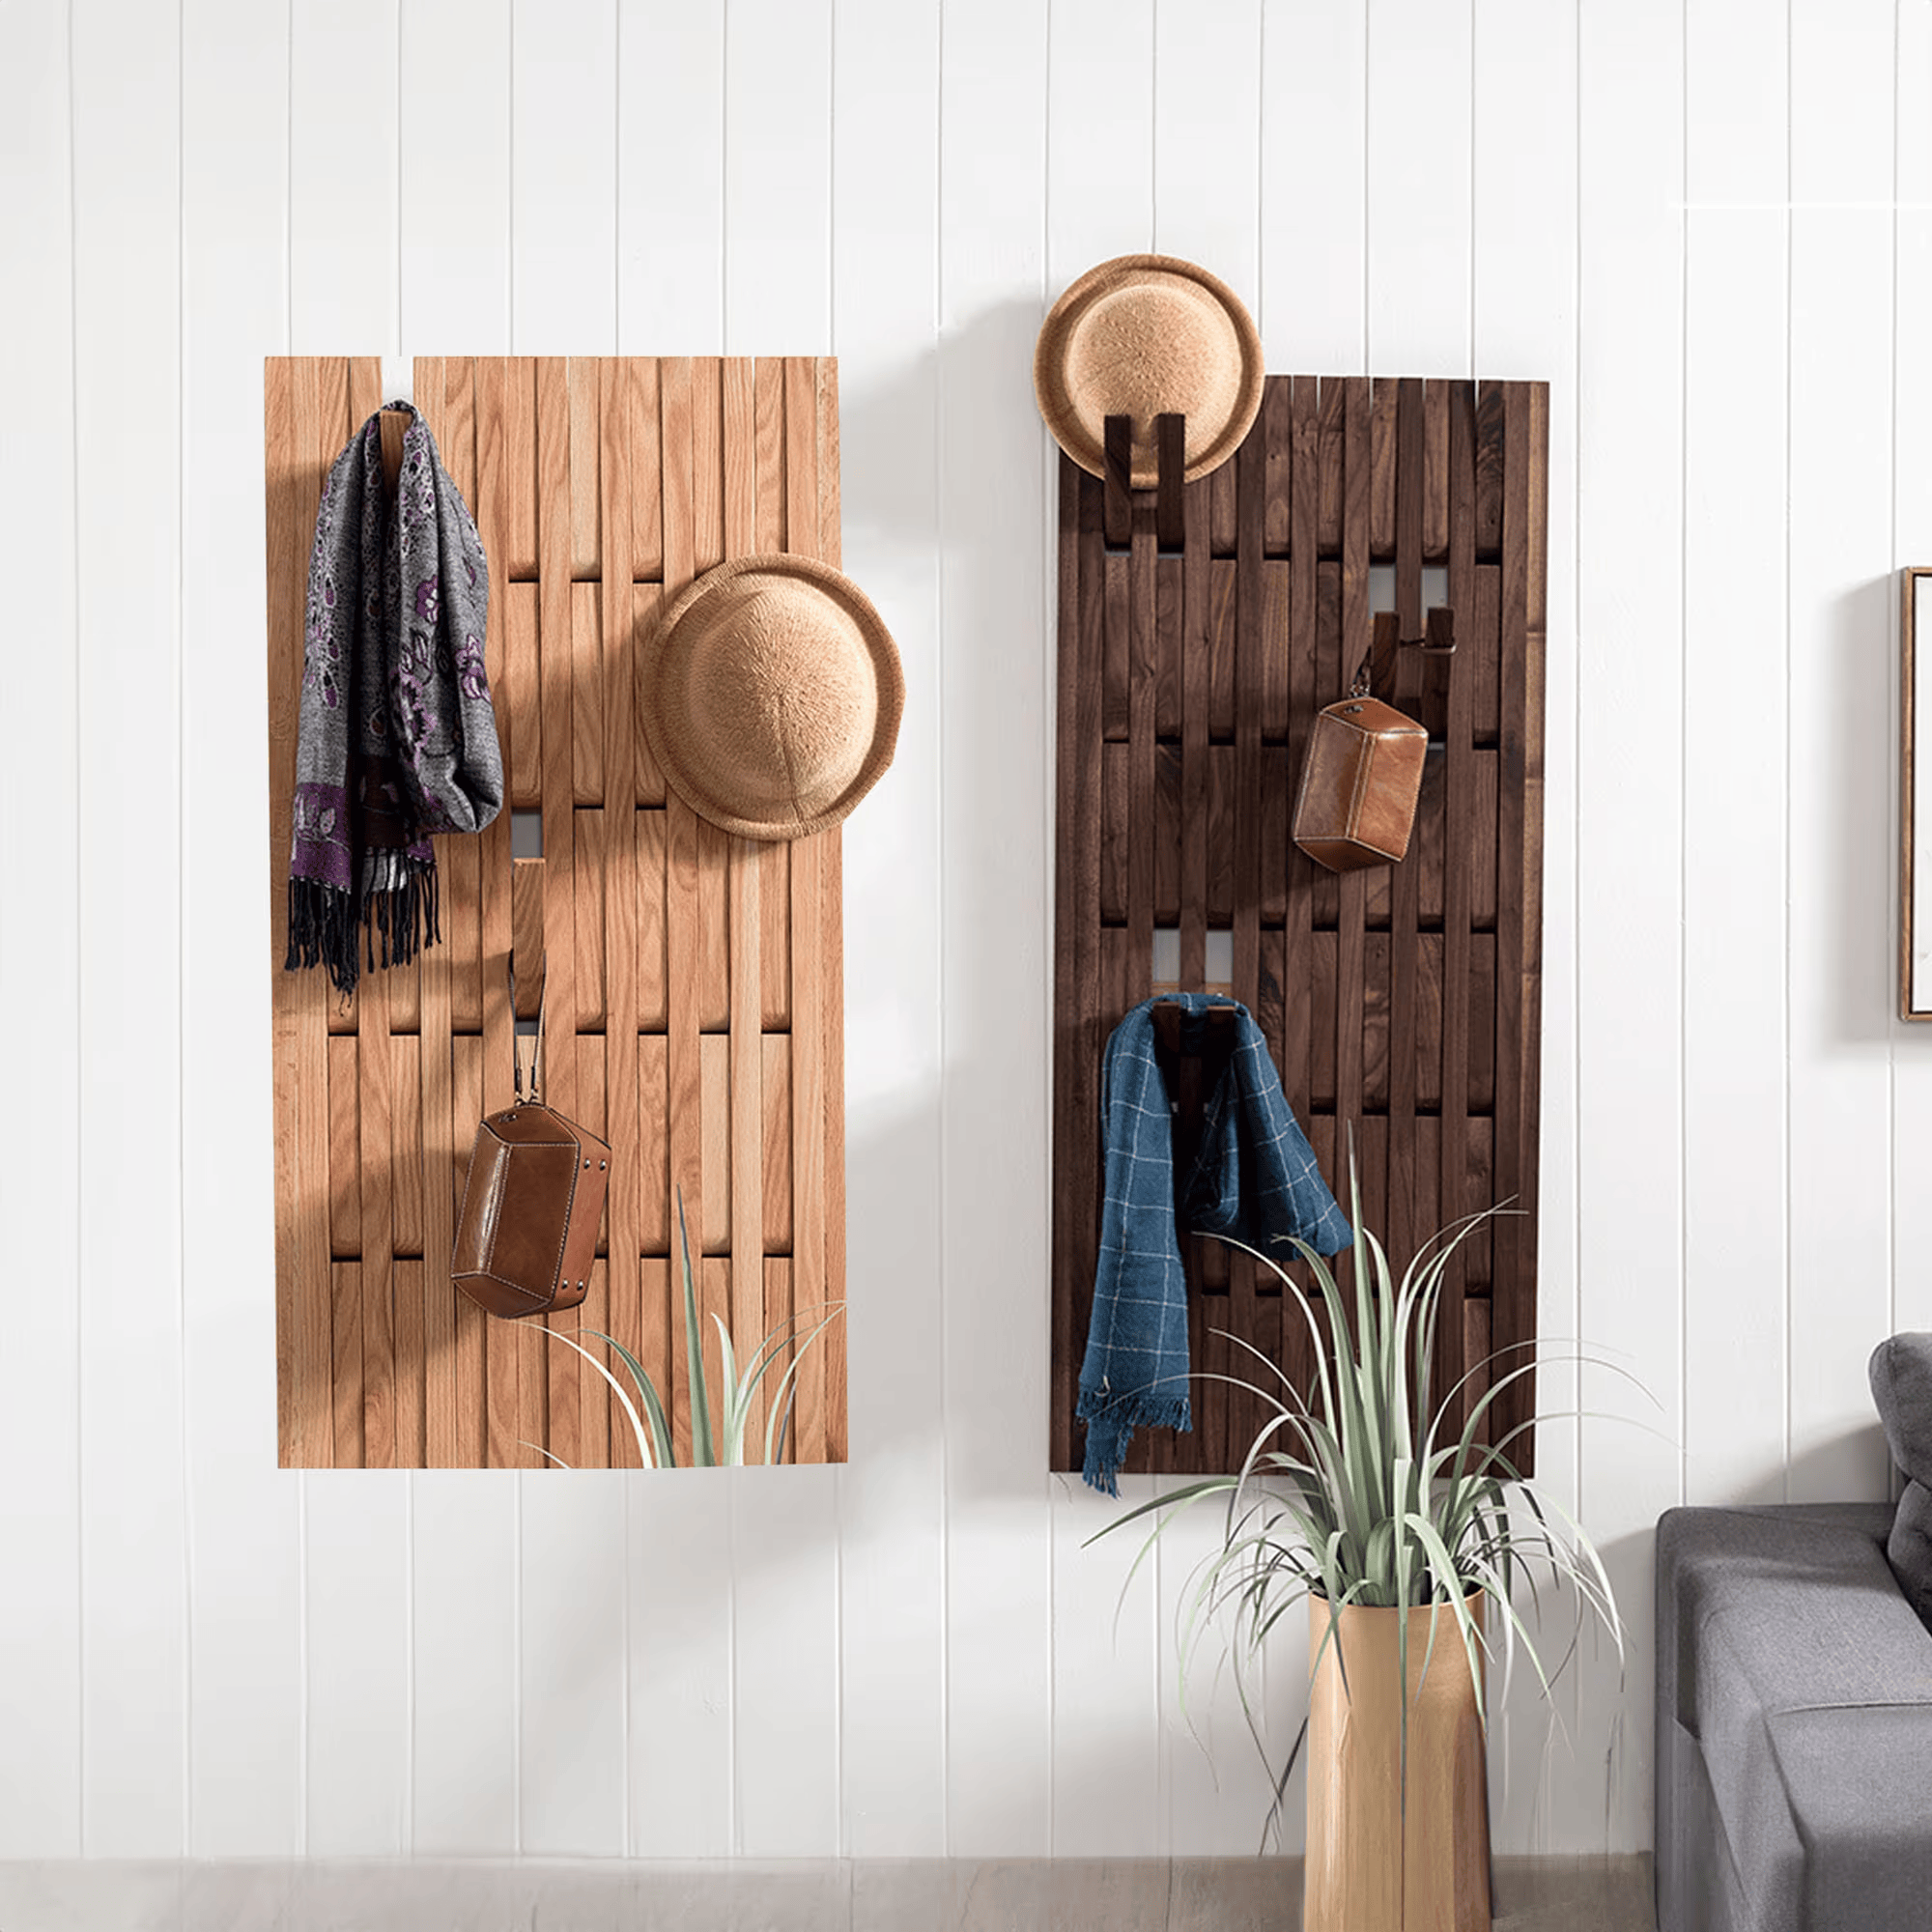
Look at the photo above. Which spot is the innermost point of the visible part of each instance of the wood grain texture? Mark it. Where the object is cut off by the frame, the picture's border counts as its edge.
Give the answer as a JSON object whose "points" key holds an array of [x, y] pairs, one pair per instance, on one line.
{"points": [[692, 984], [1401, 1005]]}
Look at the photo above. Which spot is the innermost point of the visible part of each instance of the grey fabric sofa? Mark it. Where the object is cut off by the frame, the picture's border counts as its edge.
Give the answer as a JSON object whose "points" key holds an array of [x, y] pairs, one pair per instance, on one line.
{"points": [[1793, 1726]]}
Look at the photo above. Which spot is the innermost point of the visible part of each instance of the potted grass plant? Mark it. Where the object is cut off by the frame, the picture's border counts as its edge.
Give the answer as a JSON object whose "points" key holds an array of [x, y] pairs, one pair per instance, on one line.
{"points": [[1368, 1508]]}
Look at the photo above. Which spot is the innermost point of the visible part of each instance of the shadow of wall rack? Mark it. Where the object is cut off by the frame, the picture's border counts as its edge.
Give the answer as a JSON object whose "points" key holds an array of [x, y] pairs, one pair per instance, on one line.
{"points": [[1402, 1002]]}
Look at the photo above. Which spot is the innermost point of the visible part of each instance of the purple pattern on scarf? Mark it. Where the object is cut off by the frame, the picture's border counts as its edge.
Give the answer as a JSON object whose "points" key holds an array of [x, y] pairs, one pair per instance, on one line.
{"points": [[322, 849]]}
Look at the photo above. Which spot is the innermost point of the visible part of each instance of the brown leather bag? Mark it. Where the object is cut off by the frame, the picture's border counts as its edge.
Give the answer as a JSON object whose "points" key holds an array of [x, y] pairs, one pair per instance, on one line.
{"points": [[530, 1207], [1359, 785]]}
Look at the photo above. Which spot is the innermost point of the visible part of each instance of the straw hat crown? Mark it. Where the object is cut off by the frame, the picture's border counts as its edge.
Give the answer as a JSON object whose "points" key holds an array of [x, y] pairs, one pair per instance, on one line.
{"points": [[1142, 336], [773, 697]]}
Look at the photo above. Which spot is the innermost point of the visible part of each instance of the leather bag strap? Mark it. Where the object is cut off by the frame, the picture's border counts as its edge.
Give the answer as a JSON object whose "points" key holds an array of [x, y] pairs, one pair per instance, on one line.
{"points": [[538, 1062]]}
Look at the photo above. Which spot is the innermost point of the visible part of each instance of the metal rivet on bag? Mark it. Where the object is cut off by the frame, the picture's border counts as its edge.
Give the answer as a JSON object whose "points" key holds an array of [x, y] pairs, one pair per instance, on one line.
{"points": [[587, 1163], [601, 1164]]}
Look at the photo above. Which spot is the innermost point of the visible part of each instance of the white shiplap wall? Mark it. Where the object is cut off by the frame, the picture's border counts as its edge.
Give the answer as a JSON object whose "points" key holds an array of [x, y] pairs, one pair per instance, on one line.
{"points": [[1704, 221]]}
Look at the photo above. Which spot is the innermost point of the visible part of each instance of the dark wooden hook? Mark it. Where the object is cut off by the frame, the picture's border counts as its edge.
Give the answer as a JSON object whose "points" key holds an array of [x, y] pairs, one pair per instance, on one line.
{"points": [[1192, 1062]]}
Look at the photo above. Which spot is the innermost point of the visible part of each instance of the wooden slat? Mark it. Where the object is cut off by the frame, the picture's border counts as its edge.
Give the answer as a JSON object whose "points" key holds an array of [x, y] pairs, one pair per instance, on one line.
{"points": [[807, 1131], [653, 996], [1490, 435], [831, 538], [527, 933], [1076, 912], [1436, 471], [775, 935], [1221, 510], [623, 407], [1250, 1314], [1518, 855], [298, 425], [556, 671], [1117, 631], [519, 464], [646, 606], [684, 1084], [487, 1363], [1459, 849], [1195, 709], [484, 913], [345, 1305], [592, 1316], [345, 1160], [713, 919], [1298, 1008], [1349, 957], [520, 707], [374, 1084], [769, 512], [1278, 436], [1384, 401], [714, 1061], [1403, 1231], [585, 439], [645, 468], [776, 1089], [746, 1072], [406, 1183], [828, 1360], [587, 901], [707, 463], [1532, 504], [586, 694], [808, 987], [411, 1389]]}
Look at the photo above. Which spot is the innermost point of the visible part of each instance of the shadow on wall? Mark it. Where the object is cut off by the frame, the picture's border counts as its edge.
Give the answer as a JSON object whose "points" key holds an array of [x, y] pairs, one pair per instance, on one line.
{"points": [[991, 698]]}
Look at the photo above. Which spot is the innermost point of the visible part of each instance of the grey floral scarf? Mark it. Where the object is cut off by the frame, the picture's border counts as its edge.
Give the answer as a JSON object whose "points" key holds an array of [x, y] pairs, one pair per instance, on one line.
{"points": [[398, 738]]}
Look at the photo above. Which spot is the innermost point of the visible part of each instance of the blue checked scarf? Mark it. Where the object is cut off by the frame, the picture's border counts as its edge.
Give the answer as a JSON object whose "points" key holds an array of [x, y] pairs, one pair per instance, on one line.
{"points": [[1254, 1180]]}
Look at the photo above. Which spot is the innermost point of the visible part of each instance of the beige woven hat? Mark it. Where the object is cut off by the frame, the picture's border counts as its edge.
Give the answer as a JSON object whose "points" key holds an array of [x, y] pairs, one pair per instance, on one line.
{"points": [[772, 693], [1141, 336]]}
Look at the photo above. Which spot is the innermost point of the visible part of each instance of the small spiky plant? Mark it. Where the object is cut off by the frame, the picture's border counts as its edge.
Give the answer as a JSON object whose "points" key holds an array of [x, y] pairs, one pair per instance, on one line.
{"points": [[1369, 1496], [717, 1435]]}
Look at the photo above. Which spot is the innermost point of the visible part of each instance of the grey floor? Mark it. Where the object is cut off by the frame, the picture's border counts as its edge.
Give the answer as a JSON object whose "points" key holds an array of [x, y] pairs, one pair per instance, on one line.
{"points": [[1065, 1895]]}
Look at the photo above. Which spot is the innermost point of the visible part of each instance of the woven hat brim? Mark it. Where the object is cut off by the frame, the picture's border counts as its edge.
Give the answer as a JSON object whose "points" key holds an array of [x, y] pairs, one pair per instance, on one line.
{"points": [[1057, 405], [667, 732]]}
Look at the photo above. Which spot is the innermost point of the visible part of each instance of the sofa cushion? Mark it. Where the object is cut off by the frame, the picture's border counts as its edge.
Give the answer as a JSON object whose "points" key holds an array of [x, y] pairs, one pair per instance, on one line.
{"points": [[1900, 1371], [1909, 1549], [1902, 1386]]}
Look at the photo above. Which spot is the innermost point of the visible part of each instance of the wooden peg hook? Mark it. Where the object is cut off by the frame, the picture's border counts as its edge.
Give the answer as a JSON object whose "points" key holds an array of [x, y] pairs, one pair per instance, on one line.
{"points": [[1170, 437], [391, 424]]}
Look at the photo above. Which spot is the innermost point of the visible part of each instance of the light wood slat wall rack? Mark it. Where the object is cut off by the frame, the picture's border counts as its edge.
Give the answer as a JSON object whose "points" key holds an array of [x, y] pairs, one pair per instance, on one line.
{"points": [[696, 979], [1404, 1002]]}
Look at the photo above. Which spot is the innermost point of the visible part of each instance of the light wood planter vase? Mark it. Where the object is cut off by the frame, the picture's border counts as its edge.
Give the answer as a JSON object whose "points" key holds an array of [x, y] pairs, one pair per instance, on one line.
{"points": [[1371, 1863]]}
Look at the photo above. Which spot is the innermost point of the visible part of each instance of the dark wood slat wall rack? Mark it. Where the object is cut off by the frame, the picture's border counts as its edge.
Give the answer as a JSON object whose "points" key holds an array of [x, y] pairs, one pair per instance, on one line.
{"points": [[1403, 1001]]}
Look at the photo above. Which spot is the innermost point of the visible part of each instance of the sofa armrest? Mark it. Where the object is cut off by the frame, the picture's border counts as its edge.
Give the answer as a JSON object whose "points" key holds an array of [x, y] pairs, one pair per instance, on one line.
{"points": [[1784, 1647], [1801, 1601]]}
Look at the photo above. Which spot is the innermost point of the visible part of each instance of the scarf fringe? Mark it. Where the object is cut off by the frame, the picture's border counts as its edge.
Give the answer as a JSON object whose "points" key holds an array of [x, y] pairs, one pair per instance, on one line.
{"points": [[1111, 1421], [324, 922]]}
